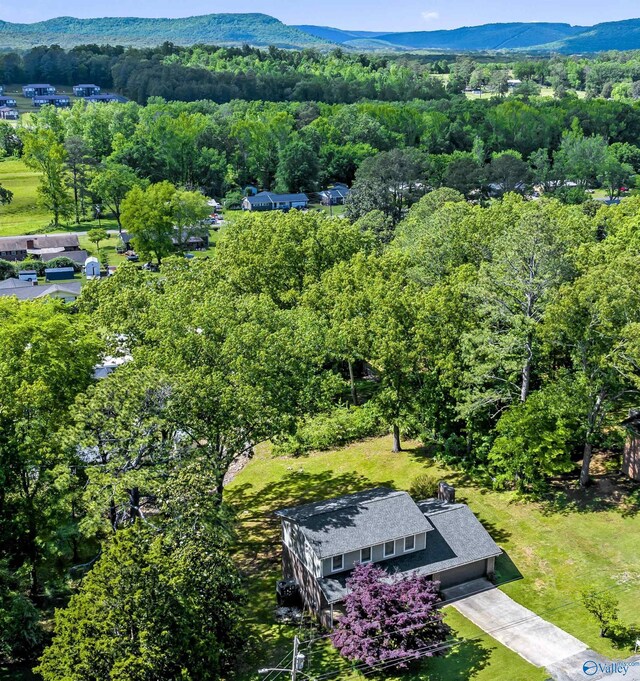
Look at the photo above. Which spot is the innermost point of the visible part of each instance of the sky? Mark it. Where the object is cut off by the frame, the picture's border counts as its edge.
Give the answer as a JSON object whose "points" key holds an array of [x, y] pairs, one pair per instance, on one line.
{"points": [[367, 15]]}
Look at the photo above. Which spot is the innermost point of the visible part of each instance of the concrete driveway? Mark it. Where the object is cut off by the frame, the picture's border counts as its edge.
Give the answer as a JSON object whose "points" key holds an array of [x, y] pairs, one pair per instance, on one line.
{"points": [[536, 640]]}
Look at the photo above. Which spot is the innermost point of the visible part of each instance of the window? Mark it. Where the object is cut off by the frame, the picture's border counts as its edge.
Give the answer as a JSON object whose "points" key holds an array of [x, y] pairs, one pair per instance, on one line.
{"points": [[365, 555], [389, 548], [337, 563], [410, 543]]}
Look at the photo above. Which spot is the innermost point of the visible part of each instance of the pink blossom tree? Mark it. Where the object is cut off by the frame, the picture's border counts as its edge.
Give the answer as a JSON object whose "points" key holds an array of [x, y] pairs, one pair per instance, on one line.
{"points": [[389, 618]]}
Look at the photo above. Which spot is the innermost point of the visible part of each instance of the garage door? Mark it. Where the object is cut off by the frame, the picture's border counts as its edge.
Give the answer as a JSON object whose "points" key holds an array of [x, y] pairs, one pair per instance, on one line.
{"points": [[463, 574]]}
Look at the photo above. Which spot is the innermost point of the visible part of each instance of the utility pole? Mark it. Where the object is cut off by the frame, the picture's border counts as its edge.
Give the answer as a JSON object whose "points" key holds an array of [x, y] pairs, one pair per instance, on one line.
{"points": [[297, 663], [294, 661]]}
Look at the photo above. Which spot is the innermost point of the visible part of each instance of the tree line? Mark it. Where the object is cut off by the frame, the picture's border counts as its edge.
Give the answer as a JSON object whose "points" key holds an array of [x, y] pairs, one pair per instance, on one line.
{"points": [[503, 336], [93, 155]]}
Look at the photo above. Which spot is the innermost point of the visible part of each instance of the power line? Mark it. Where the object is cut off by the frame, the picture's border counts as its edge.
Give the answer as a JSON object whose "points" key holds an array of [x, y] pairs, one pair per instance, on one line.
{"points": [[445, 646]]}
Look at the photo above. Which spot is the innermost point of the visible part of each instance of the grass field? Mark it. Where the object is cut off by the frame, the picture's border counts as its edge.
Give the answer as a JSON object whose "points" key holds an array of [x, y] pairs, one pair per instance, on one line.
{"points": [[557, 548], [23, 215]]}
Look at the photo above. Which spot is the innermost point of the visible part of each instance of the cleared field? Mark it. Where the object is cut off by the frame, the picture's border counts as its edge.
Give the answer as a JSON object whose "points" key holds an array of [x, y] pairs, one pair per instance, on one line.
{"points": [[23, 215]]}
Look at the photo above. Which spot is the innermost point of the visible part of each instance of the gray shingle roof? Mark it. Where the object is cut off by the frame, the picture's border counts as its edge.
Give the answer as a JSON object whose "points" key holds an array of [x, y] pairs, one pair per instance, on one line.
{"points": [[358, 520], [277, 198], [457, 538], [32, 292], [12, 283], [17, 243]]}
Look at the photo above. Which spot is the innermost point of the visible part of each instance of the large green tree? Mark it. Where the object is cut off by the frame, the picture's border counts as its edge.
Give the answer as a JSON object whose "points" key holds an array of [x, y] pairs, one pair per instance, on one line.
{"points": [[45, 153], [110, 185], [47, 358], [161, 216], [160, 603]]}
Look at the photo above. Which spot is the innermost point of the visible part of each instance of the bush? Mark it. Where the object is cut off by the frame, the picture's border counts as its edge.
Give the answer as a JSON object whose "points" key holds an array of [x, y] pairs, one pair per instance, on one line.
{"points": [[7, 270], [63, 261], [335, 429], [425, 486], [36, 265]]}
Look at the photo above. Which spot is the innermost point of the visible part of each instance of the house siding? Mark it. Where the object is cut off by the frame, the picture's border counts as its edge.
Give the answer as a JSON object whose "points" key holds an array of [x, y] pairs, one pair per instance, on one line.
{"points": [[294, 568]]}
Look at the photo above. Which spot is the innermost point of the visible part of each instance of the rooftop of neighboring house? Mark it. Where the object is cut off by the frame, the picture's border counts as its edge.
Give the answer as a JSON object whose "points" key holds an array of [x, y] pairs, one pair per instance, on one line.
{"points": [[261, 197], [39, 242], [31, 292]]}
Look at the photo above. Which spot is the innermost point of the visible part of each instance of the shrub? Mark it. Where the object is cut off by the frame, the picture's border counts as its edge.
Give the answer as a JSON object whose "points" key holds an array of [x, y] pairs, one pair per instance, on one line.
{"points": [[36, 265], [7, 270], [603, 606], [20, 631], [425, 486], [335, 429], [63, 261], [397, 620]]}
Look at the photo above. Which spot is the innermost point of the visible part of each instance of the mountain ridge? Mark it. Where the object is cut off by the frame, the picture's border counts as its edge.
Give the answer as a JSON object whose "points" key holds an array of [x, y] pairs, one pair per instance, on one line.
{"points": [[262, 30]]}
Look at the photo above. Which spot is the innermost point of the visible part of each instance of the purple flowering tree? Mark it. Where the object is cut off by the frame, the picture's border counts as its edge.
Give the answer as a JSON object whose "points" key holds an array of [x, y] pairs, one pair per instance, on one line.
{"points": [[389, 619]]}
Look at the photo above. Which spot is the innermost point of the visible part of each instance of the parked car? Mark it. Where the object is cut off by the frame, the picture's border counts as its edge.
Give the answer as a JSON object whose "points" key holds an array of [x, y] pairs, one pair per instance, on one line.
{"points": [[134, 257]]}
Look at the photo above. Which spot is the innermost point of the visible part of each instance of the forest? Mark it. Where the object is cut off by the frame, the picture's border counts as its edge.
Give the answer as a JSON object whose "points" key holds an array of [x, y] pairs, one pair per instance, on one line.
{"points": [[477, 296]]}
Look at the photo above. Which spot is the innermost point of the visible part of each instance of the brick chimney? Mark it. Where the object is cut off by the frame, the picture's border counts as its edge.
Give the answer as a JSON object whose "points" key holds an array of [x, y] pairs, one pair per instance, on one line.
{"points": [[446, 492]]}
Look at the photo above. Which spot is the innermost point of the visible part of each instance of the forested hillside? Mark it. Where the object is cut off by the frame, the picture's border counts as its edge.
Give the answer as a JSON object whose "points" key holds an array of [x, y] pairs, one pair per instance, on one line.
{"points": [[231, 29], [263, 30]]}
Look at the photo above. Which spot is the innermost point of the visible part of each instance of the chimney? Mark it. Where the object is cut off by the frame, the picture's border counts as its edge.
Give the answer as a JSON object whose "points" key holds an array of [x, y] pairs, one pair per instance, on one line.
{"points": [[446, 493], [30, 243]]}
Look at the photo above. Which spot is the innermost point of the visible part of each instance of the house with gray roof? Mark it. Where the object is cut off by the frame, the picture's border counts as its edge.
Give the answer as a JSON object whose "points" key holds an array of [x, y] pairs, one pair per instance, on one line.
{"points": [[271, 201], [66, 291], [335, 195], [86, 90], [38, 89], [322, 542], [106, 98]]}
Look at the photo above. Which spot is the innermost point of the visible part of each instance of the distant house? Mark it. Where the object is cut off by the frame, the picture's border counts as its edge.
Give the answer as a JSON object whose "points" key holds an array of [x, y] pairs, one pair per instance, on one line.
{"points": [[86, 90], [38, 90], [8, 101], [8, 114], [271, 201], [322, 542], [513, 83], [106, 98], [13, 283], [78, 257], [68, 291], [92, 268], [17, 248], [59, 101], [335, 195]]}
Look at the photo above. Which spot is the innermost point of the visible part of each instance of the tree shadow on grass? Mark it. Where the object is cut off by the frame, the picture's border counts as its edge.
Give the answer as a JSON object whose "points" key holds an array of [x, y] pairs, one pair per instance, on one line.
{"points": [[606, 493], [461, 662], [498, 534], [259, 527]]}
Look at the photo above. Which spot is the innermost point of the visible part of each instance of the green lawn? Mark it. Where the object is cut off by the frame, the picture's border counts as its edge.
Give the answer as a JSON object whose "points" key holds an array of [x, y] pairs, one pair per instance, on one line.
{"points": [[23, 215], [558, 548]]}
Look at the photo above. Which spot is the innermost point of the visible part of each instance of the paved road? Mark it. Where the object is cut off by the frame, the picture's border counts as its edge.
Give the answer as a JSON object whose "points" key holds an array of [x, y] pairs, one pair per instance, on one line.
{"points": [[589, 666]]}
